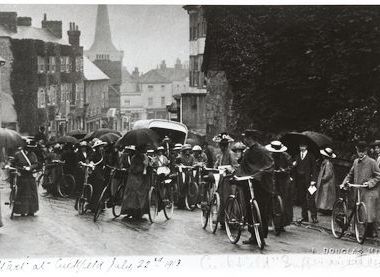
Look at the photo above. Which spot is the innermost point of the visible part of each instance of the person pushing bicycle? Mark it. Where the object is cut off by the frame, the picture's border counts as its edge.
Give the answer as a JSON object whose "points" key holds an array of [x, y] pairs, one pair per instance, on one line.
{"points": [[365, 171], [257, 161]]}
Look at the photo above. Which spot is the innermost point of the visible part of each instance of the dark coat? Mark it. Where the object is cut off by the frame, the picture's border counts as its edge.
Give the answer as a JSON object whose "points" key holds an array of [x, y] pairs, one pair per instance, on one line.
{"points": [[96, 178], [326, 193], [304, 172], [27, 196], [137, 187]]}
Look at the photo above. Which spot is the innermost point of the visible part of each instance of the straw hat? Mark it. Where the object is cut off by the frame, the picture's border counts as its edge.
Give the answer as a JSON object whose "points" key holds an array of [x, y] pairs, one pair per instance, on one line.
{"points": [[130, 147], [160, 148], [276, 146], [186, 147], [99, 143], [328, 152], [197, 148]]}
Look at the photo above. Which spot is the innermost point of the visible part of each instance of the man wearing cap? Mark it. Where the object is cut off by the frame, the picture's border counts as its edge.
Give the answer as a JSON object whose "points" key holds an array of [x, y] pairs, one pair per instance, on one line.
{"points": [[326, 190], [27, 197], [282, 167], [186, 158], [200, 158], [365, 171], [257, 159], [305, 168]]}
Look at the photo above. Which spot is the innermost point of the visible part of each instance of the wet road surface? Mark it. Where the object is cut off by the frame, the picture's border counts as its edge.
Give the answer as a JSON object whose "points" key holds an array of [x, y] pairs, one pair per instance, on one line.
{"points": [[57, 230]]}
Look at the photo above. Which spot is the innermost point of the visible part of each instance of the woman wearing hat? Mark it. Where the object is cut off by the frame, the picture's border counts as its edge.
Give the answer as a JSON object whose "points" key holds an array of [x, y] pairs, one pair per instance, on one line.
{"points": [[200, 158], [27, 197], [282, 167], [326, 191]]}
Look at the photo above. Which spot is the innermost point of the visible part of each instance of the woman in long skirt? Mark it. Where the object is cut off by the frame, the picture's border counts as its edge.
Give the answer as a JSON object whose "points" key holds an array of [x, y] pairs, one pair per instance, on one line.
{"points": [[26, 201]]}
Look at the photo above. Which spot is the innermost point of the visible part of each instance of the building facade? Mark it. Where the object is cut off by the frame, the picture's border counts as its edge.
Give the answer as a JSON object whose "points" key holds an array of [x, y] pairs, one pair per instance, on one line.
{"points": [[109, 59], [43, 75], [193, 101]]}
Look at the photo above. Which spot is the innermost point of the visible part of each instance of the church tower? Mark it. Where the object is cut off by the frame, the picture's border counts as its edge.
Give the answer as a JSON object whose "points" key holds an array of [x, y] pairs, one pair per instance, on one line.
{"points": [[103, 52]]}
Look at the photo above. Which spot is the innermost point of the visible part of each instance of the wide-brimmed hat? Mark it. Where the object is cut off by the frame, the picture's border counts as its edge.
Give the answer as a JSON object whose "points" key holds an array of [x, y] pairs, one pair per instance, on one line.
{"points": [[99, 143], [150, 151], [197, 148], [328, 152], [376, 143], [223, 137], [276, 146], [83, 144], [160, 148], [130, 147], [186, 147]]}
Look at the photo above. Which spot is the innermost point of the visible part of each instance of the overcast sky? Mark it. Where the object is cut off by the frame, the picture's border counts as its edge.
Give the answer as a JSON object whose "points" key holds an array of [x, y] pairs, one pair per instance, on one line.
{"points": [[146, 34]]}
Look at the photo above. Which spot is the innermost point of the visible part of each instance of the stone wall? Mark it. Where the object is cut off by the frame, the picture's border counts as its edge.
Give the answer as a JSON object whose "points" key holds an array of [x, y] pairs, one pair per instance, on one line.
{"points": [[194, 111], [218, 104]]}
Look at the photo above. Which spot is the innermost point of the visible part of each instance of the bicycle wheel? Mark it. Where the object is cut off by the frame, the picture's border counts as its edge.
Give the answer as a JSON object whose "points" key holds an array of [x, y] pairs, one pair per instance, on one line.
{"points": [[233, 218], [117, 201], [191, 197], [87, 196], [81, 204], [257, 224], [100, 205], [42, 181], [205, 210], [169, 202], [66, 185], [214, 212], [339, 219], [153, 204], [277, 211], [361, 222]]}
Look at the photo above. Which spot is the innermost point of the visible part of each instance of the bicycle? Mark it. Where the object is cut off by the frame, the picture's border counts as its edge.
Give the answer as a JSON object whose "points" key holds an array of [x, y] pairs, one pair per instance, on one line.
{"points": [[234, 216], [190, 187], [14, 173], [161, 195], [340, 220], [63, 187], [85, 197], [107, 197]]}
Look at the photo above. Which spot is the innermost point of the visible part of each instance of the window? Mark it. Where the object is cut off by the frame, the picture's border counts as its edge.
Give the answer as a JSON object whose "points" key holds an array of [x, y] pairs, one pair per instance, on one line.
{"points": [[51, 68], [41, 98], [150, 87], [78, 64], [150, 101], [162, 87], [163, 101], [41, 64]]}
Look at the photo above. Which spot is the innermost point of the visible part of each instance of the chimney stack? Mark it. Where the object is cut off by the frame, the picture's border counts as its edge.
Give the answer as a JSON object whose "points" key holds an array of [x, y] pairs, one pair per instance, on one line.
{"points": [[24, 21], [163, 65], [136, 73], [9, 21], [53, 26], [73, 34]]}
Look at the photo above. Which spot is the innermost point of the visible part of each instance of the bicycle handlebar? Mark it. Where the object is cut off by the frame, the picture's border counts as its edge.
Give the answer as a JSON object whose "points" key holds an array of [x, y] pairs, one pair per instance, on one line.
{"points": [[357, 185]]}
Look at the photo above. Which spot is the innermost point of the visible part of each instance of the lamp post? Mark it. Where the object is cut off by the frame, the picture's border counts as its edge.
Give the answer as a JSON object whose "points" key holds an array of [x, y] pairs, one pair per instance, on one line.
{"points": [[2, 63]]}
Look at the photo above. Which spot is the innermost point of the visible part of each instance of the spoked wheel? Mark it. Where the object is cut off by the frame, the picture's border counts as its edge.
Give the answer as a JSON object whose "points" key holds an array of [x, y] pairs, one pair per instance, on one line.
{"points": [[66, 186], [339, 219], [205, 210], [42, 181], [233, 219], [214, 212], [101, 204], [81, 205], [361, 222], [257, 224], [169, 202], [153, 204], [191, 197], [84, 199], [117, 201]]}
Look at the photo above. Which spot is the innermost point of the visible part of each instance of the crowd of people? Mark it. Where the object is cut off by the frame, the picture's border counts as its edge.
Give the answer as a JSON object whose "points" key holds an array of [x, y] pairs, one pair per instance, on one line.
{"points": [[304, 179]]}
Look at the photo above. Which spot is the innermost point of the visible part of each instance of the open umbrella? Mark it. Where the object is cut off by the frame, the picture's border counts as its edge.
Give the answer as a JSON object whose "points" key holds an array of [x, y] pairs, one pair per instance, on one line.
{"points": [[10, 139], [66, 139], [78, 134], [314, 140], [110, 138], [139, 137], [99, 132]]}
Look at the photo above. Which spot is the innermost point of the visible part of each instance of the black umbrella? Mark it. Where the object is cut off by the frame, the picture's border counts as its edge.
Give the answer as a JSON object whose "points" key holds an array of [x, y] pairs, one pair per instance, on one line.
{"points": [[320, 139], [139, 137], [78, 134], [110, 138], [99, 132], [66, 139]]}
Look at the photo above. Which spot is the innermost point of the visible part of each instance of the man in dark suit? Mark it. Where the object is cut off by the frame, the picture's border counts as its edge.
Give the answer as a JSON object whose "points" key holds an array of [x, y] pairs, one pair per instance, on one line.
{"points": [[305, 172]]}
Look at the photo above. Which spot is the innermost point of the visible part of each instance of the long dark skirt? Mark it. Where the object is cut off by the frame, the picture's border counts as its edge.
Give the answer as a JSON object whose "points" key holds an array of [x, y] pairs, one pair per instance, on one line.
{"points": [[27, 197], [136, 195], [284, 189], [96, 179]]}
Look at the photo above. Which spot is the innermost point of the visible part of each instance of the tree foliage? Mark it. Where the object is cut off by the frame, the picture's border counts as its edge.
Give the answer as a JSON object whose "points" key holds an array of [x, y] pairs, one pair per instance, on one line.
{"points": [[292, 66]]}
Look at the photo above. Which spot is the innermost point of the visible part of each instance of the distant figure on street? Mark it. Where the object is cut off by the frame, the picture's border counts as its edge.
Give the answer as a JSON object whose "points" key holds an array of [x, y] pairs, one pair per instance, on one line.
{"points": [[326, 190], [305, 168], [365, 171]]}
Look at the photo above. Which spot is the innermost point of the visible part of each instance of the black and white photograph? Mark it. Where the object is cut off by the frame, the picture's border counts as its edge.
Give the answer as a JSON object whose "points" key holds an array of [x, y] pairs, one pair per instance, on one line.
{"points": [[182, 135]]}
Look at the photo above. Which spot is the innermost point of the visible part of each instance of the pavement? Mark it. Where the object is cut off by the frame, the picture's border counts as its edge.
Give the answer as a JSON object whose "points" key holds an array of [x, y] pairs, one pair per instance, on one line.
{"points": [[58, 231]]}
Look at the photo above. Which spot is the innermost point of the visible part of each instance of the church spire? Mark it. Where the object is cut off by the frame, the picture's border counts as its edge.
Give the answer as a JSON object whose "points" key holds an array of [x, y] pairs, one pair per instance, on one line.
{"points": [[103, 40]]}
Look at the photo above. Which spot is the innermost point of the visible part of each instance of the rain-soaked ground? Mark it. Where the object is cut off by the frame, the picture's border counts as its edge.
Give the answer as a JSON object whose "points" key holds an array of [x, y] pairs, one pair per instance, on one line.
{"points": [[57, 230]]}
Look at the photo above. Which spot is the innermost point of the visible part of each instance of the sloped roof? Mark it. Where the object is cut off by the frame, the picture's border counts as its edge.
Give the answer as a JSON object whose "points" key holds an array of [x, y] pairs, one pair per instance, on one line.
{"points": [[91, 72], [30, 32], [174, 74], [154, 77]]}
